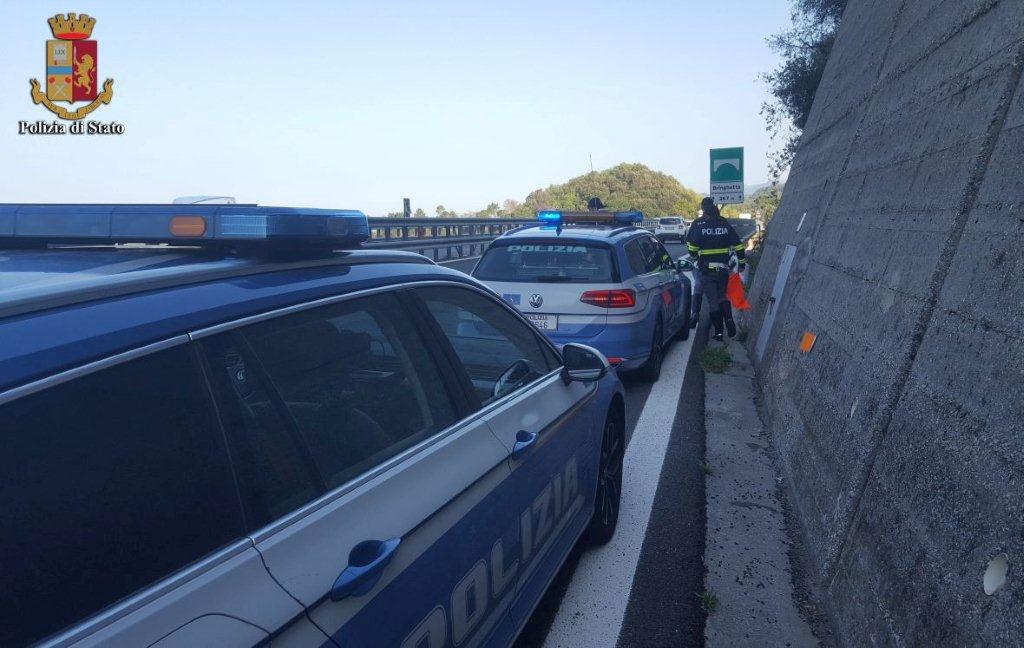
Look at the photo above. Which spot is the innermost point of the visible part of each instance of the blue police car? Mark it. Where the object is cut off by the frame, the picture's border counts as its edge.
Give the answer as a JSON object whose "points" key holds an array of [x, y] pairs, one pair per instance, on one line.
{"points": [[594, 278], [218, 430]]}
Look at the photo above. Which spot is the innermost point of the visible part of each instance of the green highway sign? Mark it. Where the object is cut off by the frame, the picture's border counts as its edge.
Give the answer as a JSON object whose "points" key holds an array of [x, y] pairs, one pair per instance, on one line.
{"points": [[727, 175]]}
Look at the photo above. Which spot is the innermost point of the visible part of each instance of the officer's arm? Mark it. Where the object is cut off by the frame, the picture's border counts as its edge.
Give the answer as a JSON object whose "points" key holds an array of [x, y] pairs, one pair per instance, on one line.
{"points": [[693, 243], [737, 245]]}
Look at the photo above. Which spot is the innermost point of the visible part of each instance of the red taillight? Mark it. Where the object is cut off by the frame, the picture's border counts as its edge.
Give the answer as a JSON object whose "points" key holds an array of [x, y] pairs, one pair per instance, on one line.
{"points": [[609, 298]]}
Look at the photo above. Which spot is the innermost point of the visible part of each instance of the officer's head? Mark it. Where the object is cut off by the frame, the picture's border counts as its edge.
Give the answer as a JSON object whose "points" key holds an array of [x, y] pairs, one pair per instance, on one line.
{"points": [[708, 207]]}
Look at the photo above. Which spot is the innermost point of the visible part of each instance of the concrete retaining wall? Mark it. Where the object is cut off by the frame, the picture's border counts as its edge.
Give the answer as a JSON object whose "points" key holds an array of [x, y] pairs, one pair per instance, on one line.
{"points": [[902, 431]]}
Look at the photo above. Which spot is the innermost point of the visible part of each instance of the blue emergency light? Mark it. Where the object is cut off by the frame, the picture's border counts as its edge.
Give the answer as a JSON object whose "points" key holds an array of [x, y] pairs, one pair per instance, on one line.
{"points": [[559, 218], [205, 225], [629, 217]]}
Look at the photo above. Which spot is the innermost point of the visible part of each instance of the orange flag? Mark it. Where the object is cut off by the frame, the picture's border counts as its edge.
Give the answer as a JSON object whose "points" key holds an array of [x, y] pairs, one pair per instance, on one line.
{"points": [[734, 292]]}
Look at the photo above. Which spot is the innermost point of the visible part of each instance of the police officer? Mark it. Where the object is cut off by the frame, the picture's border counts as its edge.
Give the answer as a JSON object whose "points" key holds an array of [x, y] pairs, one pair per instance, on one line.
{"points": [[716, 249]]}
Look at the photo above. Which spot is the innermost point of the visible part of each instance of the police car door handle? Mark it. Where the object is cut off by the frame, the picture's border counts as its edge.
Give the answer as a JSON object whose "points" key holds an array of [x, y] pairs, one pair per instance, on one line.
{"points": [[524, 441], [366, 563]]}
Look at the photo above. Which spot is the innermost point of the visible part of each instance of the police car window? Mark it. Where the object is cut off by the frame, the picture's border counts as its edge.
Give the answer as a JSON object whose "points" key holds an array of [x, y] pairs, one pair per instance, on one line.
{"points": [[664, 258], [355, 381], [655, 256], [500, 352], [547, 262], [110, 482], [276, 472], [636, 259]]}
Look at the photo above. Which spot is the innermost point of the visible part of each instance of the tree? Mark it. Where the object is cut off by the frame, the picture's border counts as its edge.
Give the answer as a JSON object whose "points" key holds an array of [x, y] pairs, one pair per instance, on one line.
{"points": [[761, 204], [489, 211], [443, 213], [805, 50], [626, 186], [419, 213]]}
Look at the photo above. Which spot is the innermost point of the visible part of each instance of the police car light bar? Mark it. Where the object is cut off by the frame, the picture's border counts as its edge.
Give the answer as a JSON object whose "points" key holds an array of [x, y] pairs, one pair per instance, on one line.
{"points": [[27, 225], [554, 217]]}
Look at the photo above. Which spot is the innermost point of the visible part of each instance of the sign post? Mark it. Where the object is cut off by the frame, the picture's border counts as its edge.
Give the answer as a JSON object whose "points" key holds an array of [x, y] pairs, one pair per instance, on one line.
{"points": [[727, 175]]}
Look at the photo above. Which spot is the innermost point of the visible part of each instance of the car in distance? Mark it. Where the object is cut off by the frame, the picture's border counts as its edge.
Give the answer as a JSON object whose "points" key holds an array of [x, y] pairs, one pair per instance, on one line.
{"points": [[670, 228], [593, 278], [226, 433]]}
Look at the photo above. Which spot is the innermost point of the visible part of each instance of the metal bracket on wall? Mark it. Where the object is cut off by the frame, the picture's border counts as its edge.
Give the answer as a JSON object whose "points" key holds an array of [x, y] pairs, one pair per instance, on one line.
{"points": [[777, 289]]}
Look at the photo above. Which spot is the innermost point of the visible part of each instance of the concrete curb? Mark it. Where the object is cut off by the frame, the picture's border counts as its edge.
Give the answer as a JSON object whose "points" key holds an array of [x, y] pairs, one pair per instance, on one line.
{"points": [[747, 551]]}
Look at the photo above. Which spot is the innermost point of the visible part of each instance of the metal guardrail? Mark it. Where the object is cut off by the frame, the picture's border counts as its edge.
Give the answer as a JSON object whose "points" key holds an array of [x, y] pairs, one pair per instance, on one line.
{"points": [[447, 239], [745, 227], [440, 239]]}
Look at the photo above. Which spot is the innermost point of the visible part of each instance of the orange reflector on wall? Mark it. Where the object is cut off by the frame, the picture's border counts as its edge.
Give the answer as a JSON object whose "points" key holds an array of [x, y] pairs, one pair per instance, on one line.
{"points": [[188, 226], [807, 341]]}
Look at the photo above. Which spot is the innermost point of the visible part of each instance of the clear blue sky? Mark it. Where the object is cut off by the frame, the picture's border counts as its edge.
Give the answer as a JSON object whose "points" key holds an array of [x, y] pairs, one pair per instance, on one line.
{"points": [[358, 104]]}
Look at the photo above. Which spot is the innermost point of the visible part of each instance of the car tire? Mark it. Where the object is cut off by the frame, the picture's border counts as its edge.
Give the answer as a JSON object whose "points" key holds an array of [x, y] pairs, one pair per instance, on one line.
{"points": [[683, 333], [651, 370], [608, 498]]}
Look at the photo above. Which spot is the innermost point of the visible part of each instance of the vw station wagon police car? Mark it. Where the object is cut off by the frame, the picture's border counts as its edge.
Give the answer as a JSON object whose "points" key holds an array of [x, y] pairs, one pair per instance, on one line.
{"points": [[594, 278], [226, 425]]}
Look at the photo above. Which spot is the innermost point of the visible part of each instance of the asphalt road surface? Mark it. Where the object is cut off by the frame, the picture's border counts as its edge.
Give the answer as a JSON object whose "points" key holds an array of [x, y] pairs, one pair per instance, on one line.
{"points": [[641, 589]]}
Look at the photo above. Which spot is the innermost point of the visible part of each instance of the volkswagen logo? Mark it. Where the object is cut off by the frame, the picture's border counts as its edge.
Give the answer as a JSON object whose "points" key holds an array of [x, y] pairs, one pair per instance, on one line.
{"points": [[536, 300]]}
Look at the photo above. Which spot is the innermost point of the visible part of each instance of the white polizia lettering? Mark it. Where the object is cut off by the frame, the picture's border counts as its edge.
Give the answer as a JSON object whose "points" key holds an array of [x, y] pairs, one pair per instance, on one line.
{"points": [[432, 632], [494, 575], [501, 575], [469, 602], [577, 249]]}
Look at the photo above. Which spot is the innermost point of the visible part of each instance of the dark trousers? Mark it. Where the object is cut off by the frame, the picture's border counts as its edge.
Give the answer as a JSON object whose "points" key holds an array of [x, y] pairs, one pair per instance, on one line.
{"points": [[713, 285]]}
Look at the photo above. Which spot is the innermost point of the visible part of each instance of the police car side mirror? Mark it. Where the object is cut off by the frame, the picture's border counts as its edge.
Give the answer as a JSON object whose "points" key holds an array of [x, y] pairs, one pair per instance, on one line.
{"points": [[583, 364], [684, 264]]}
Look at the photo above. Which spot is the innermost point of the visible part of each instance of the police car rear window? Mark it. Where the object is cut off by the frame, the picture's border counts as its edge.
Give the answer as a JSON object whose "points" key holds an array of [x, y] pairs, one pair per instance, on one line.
{"points": [[670, 221], [546, 262]]}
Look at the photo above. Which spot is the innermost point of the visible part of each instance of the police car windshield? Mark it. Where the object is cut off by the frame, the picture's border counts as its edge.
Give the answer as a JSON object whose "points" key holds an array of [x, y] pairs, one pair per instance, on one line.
{"points": [[568, 262]]}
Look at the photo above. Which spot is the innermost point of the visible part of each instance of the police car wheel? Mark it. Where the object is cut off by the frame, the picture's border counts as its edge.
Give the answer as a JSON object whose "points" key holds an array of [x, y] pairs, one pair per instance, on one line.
{"points": [[684, 331], [609, 485], [651, 370]]}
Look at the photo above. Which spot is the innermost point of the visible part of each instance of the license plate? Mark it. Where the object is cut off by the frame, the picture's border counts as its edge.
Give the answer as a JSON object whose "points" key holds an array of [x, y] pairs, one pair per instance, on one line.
{"points": [[543, 322]]}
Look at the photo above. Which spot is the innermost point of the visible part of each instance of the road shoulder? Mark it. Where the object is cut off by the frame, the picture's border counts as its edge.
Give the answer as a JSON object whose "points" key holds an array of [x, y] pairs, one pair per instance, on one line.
{"points": [[592, 611], [663, 609], [749, 579]]}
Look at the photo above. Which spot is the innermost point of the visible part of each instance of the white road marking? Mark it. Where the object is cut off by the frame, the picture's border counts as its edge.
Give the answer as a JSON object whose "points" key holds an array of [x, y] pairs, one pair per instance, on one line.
{"points": [[593, 608]]}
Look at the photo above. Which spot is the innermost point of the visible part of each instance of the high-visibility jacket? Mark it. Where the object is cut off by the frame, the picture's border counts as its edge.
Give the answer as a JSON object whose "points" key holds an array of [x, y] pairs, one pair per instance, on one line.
{"points": [[712, 241]]}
